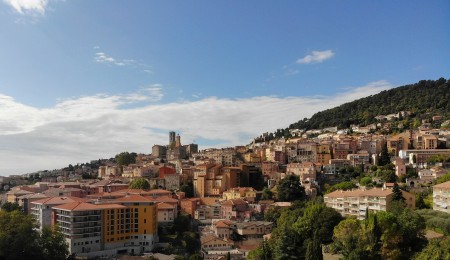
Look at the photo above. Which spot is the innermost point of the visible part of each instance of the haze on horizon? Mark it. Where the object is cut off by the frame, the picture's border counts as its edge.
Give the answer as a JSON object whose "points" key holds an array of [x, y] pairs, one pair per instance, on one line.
{"points": [[83, 80]]}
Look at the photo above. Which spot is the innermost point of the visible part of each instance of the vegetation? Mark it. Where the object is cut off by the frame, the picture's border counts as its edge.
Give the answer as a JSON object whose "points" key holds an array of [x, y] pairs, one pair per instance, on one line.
{"points": [[384, 158], [384, 235], [424, 99], [436, 220], [299, 232], [9, 207], [20, 239], [188, 189], [443, 178], [346, 185], [125, 158], [140, 183], [289, 189], [438, 248]]}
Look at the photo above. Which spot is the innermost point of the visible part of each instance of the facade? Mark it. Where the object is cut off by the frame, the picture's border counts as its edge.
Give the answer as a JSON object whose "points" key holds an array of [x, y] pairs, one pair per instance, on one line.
{"points": [[356, 202], [306, 171], [441, 197], [103, 227], [42, 210], [422, 156], [166, 213], [246, 193]]}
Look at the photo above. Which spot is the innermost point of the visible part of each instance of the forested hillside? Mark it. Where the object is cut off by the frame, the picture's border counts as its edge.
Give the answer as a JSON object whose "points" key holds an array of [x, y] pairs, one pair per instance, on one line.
{"points": [[424, 99]]}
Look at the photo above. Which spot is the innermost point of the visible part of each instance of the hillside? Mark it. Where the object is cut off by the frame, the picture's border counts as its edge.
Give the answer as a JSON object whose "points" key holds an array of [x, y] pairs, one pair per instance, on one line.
{"points": [[424, 99]]}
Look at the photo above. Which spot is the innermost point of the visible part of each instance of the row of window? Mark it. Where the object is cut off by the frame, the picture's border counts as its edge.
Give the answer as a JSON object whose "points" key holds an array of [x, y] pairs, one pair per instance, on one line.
{"points": [[86, 243]]}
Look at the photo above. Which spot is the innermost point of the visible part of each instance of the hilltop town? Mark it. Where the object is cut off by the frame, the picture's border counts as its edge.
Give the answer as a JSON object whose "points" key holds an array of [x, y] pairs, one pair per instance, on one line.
{"points": [[221, 201]]}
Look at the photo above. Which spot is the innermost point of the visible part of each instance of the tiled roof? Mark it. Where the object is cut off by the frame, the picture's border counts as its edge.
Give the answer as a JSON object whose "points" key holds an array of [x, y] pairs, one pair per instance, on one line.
{"points": [[444, 185], [82, 206], [58, 200], [33, 196], [19, 192], [133, 198], [360, 193], [223, 223], [159, 191], [163, 205], [234, 202], [164, 199]]}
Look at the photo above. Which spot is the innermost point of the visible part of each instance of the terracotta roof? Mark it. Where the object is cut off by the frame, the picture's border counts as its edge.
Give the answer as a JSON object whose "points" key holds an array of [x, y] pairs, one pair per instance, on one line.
{"points": [[164, 199], [343, 193], [211, 237], [360, 193], [163, 205], [82, 206], [159, 191], [234, 202], [443, 185], [133, 198], [33, 196], [58, 200], [223, 223], [19, 192]]}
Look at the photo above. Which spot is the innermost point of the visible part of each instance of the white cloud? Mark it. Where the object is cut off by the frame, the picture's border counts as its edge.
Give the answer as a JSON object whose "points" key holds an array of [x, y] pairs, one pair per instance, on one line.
{"points": [[316, 57], [101, 57], [87, 128], [28, 7]]}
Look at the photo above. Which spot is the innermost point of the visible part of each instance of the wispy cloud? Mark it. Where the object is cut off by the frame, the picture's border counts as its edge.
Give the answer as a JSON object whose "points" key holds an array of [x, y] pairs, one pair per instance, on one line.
{"points": [[104, 125], [101, 57], [28, 7], [316, 57]]}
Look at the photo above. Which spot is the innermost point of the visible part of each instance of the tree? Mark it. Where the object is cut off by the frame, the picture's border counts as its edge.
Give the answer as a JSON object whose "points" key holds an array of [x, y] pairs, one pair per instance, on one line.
{"points": [[318, 220], [438, 248], [443, 178], [267, 194], [289, 189], [314, 248], [181, 224], [365, 181], [188, 189], [397, 193], [346, 185], [346, 238], [125, 158], [9, 206], [53, 244], [139, 183], [20, 239], [384, 156]]}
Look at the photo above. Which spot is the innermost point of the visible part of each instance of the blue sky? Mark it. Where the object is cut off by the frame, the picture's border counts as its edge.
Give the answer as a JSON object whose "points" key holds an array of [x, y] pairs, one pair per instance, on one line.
{"points": [[103, 77]]}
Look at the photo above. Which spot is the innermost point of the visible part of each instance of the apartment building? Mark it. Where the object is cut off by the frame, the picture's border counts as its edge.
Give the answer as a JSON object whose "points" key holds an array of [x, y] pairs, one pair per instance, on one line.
{"points": [[421, 156], [356, 202], [211, 180], [306, 171], [42, 210], [247, 193], [441, 197], [124, 225]]}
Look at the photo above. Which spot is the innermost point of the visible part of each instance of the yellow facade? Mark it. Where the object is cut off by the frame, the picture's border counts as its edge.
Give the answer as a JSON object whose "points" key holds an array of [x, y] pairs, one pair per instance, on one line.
{"points": [[136, 219]]}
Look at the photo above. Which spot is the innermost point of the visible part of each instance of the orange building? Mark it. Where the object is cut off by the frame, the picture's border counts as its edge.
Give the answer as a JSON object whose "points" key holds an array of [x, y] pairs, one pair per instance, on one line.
{"points": [[124, 225]]}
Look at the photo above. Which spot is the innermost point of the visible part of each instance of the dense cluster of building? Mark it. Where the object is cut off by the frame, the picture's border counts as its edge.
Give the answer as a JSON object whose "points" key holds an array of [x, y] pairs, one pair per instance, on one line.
{"points": [[103, 217]]}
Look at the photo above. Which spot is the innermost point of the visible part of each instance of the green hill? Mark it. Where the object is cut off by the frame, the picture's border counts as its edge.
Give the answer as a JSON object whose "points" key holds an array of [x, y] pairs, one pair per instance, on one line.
{"points": [[424, 100]]}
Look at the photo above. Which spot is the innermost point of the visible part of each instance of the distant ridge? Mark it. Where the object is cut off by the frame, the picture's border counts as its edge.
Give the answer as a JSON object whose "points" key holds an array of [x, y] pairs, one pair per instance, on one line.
{"points": [[424, 99]]}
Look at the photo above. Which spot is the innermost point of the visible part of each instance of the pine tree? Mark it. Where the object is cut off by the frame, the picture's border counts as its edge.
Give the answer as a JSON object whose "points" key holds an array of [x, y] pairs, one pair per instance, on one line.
{"points": [[384, 156], [398, 195], [314, 248]]}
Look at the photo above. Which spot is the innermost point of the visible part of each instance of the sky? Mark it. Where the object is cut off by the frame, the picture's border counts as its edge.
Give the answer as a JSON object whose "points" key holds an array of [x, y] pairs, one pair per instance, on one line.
{"points": [[83, 80]]}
